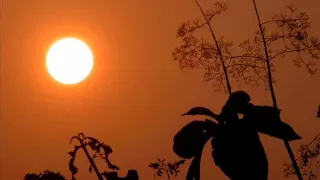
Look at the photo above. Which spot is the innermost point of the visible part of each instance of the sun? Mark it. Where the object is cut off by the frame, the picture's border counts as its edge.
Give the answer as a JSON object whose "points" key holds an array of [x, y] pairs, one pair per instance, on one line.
{"points": [[69, 61]]}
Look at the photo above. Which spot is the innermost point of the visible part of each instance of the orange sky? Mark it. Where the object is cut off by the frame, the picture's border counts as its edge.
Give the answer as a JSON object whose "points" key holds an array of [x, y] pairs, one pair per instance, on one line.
{"points": [[135, 95]]}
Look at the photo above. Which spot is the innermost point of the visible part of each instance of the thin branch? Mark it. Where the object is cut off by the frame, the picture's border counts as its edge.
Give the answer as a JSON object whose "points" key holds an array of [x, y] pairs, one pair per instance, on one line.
{"points": [[297, 170], [218, 48], [277, 20]]}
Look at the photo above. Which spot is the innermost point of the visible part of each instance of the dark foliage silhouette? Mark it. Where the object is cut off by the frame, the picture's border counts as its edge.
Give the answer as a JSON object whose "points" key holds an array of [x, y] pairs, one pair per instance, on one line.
{"points": [[170, 169], [46, 175], [100, 150], [287, 34], [131, 175], [309, 160], [230, 133]]}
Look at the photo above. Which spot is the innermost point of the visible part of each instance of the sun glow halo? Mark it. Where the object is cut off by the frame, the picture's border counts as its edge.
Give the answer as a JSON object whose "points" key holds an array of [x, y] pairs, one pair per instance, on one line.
{"points": [[69, 61]]}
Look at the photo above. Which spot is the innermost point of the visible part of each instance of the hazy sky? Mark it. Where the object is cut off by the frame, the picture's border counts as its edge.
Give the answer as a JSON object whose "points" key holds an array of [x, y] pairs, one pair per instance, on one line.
{"points": [[135, 95]]}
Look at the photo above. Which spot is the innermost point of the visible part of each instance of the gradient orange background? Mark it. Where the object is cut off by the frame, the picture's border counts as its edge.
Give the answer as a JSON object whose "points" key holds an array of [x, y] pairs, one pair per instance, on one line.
{"points": [[135, 95]]}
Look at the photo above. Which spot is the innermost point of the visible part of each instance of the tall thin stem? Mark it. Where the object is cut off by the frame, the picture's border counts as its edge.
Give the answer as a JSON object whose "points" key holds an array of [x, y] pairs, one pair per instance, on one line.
{"points": [[273, 96], [91, 160], [218, 48]]}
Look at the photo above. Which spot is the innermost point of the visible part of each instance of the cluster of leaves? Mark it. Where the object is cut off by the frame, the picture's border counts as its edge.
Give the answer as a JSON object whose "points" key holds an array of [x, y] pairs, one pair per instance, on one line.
{"points": [[46, 175], [289, 35], [99, 149], [309, 160], [170, 168]]}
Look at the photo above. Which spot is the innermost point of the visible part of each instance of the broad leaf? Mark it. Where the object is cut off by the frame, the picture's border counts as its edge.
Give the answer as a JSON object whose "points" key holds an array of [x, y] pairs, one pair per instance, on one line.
{"points": [[266, 119], [194, 169], [191, 137], [201, 111], [279, 130]]}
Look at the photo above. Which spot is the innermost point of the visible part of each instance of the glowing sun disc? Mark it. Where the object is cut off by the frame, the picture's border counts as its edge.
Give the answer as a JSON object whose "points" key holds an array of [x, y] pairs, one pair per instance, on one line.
{"points": [[69, 61]]}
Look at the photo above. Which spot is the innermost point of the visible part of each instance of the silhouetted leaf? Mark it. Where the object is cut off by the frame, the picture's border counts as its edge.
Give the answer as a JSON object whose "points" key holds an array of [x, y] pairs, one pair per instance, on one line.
{"points": [[190, 138], [72, 138], [154, 165], [266, 119], [94, 143], [194, 168], [72, 167], [107, 149], [181, 162], [283, 131], [201, 111], [72, 154]]}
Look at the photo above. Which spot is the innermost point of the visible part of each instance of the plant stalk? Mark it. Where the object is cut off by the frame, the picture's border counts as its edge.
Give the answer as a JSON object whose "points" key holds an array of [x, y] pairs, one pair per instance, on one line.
{"points": [[218, 48], [273, 96], [83, 146]]}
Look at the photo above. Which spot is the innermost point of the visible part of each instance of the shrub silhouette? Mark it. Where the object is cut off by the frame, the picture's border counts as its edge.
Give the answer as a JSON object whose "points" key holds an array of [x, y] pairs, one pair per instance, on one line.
{"points": [[46, 175], [131, 175], [170, 169], [100, 150]]}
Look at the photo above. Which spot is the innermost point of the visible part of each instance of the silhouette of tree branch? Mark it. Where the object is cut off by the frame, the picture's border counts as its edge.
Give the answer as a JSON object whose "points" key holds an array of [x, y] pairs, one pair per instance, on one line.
{"points": [[194, 52], [289, 36], [100, 150], [171, 169]]}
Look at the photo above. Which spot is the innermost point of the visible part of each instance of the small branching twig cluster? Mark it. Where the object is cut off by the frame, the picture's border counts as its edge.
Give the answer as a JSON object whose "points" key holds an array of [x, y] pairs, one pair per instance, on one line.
{"points": [[99, 149], [171, 169], [289, 35], [309, 160]]}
